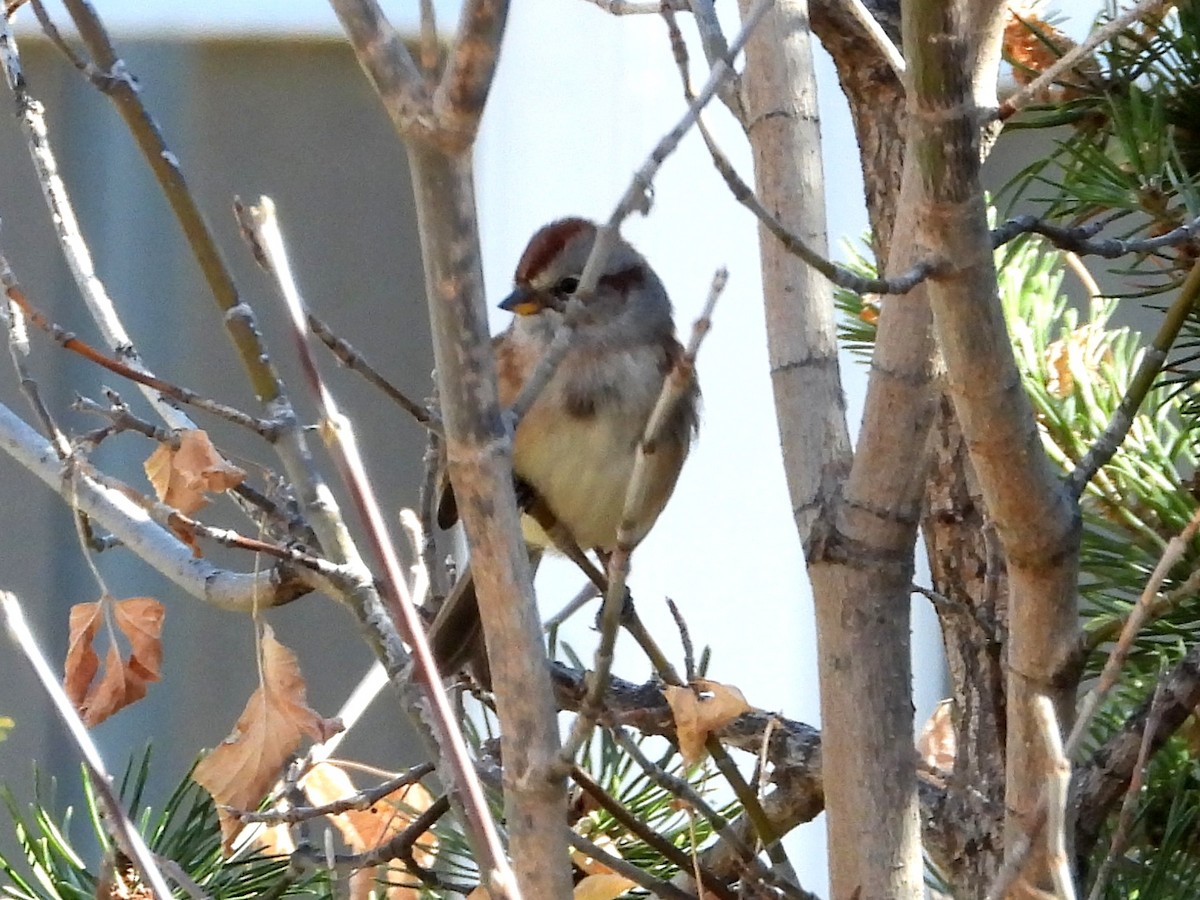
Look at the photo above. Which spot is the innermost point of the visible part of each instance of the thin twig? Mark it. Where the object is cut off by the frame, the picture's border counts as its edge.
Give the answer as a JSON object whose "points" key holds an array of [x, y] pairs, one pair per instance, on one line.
{"points": [[120, 86], [1120, 838], [355, 361], [1174, 552], [1148, 370], [31, 116], [634, 198], [656, 886], [399, 846], [836, 273], [712, 41], [644, 833], [685, 638], [363, 799], [678, 382], [263, 227], [584, 596], [1058, 781], [136, 374], [18, 347], [1083, 241], [1076, 54], [123, 829]]}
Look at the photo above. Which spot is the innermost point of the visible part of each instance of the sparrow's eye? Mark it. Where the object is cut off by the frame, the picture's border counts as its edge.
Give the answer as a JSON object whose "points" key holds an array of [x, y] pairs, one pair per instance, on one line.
{"points": [[567, 285]]}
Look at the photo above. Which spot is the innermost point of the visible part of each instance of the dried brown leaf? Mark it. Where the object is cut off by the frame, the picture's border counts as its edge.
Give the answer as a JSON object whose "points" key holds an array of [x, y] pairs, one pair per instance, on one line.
{"points": [[699, 709], [140, 619], [242, 769], [602, 887], [117, 688], [937, 742], [122, 682], [82, 663], [366, 829], [181, 477]]}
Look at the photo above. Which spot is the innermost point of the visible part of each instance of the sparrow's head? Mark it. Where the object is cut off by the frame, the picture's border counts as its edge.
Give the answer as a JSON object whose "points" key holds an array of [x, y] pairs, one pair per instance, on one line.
{"points": [[627, 292]]}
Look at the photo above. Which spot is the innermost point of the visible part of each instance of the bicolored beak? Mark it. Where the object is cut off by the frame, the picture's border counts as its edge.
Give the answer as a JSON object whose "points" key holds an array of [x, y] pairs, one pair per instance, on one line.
{"points": [[524, 301]]}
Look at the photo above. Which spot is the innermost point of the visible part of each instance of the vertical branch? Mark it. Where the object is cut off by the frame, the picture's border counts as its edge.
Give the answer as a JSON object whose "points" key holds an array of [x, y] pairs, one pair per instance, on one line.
{"points": [[1036, 520], [439, 129], [859, 551]]}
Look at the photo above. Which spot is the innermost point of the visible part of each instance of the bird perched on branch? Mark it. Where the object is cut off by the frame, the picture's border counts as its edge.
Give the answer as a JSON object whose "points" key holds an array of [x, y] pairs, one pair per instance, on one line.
{"points": [[574, 449]]}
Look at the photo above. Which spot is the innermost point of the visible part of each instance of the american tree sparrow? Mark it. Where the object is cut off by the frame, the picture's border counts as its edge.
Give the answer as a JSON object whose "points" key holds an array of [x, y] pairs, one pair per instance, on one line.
{"points": [[574, 449]]}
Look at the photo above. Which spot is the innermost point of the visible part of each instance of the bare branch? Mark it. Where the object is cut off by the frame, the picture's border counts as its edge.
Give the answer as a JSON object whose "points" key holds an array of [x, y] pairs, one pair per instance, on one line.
{"points": [[1082, 240], [354, 360], [1148, 370], [31, 116], [107, 502], [406, 96], [137, 375], [363, 799], [119, 85], [462, 92], [261, 223]]}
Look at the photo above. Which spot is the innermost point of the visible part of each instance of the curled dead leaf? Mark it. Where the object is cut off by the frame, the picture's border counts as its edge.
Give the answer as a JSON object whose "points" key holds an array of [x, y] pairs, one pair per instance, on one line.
{"points": [[181, 477], [122, 682], [699, 709], [937, 742], [366, 829], [242, 769]]}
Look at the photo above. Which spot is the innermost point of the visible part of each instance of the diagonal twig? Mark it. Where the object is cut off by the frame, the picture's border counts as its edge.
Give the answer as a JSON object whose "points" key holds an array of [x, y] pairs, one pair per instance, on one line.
{"points": [[121, 826], [260, 224], [1064, 63]]}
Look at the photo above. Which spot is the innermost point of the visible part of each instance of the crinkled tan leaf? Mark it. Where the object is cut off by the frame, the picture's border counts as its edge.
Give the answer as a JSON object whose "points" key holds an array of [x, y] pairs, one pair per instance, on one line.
{"points": [[242, 769], [122, 682], [937, 743], [365, 829], [181, 477], [140, 619], [700, 709], [117, 688], [82, 662], [602, 887]]}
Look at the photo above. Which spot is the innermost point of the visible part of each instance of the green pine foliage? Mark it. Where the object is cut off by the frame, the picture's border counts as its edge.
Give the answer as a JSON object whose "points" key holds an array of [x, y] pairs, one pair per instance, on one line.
{"points": [[1076, 365], [59, 861]]}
